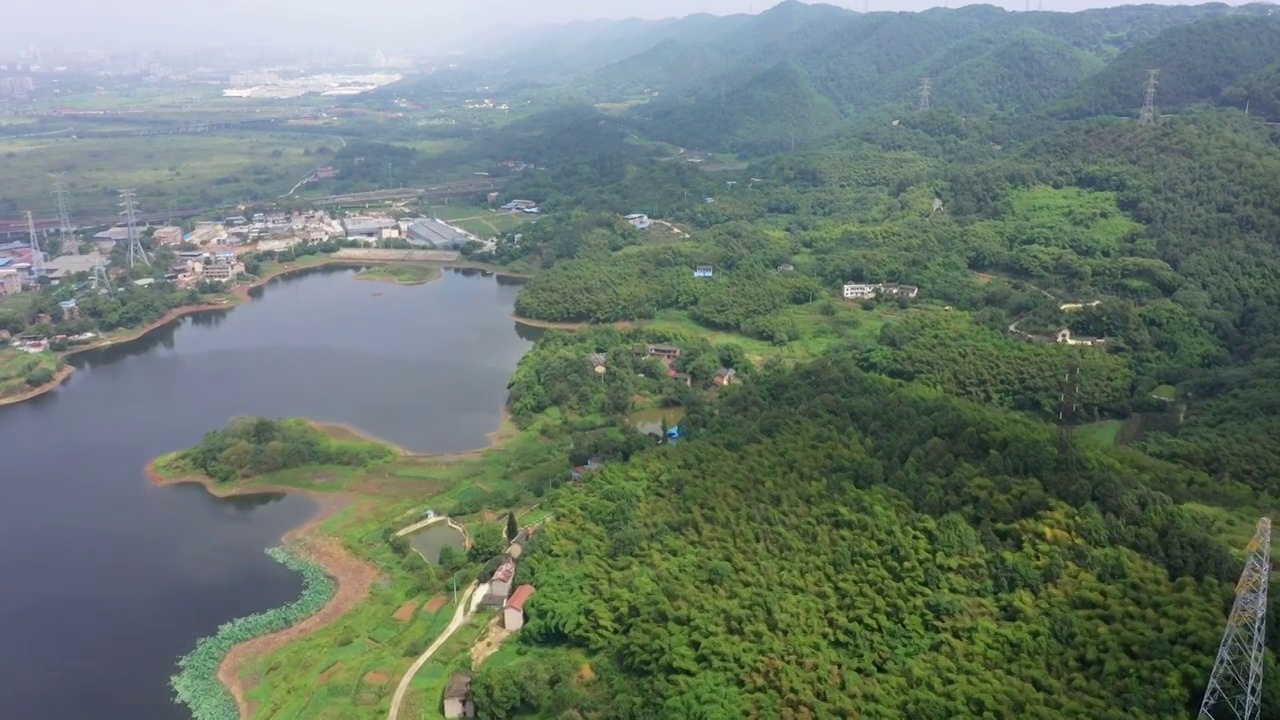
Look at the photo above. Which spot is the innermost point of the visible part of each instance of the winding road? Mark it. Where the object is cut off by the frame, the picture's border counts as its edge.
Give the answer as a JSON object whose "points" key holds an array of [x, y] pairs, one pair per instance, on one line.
{"points": [[460, 615]]}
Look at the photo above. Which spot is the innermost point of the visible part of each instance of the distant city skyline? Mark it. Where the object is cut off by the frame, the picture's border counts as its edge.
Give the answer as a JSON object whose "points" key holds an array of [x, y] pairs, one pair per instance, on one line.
{"points": [[395, 26]]}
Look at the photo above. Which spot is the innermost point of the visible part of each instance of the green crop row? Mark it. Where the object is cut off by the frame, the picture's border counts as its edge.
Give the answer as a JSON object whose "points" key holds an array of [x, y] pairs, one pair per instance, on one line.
{"points": [[196, 684]]}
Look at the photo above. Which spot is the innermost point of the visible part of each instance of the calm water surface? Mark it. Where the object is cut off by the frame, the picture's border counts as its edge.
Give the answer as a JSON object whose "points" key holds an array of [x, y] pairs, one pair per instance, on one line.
{"points": [[105, 580]]}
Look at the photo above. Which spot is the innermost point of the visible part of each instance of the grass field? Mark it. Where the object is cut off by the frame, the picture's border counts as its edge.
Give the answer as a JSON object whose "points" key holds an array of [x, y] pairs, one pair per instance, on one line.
{"points": [[818, 332], [1165, 392], [401, 274], [350, 668], [168, 172], [16, 367], [1101, 434], [482, 221]]}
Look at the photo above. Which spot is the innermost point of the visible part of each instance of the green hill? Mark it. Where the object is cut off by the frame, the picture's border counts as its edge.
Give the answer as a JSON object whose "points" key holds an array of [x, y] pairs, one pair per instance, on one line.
{"points": [[773, 111], [1198, 63], [1017, 73]]}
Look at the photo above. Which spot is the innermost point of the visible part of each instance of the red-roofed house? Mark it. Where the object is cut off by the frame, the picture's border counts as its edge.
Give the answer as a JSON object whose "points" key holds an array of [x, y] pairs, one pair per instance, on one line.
{"points": [[513, 611], [500, 584]]}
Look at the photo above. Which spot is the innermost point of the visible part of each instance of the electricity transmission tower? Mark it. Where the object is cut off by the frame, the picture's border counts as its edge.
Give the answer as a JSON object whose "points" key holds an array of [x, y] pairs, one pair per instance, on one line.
{"points": [[1148, 116], [100, 277], [65, 230], [130, 206], [1235, 685], [926, 88], [37, 257]]}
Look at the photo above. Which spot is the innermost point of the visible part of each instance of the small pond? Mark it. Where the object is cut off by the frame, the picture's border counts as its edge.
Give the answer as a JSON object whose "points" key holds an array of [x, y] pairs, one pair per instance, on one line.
{"points": [[430, 540], [650, 421]]}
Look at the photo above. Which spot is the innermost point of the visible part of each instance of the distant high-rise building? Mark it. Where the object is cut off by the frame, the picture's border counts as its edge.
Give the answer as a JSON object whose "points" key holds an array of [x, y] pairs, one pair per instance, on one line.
{"points": [[15, 87]]}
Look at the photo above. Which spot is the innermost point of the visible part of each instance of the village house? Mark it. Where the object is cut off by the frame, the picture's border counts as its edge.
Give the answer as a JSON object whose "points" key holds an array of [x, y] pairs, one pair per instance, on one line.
{"points": [[10, 281], [513, 611], [1064, 337], [869, 291], [725, 376], [685, 378], [705, 272], [666, 353], [457, 696], [500, 583], [859, 291], [168, 235], [592, 465], [639, 221], [896, 290]]}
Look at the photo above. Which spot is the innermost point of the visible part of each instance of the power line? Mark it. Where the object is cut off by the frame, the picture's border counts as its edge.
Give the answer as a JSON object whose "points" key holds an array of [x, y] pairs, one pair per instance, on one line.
{"points": [[130, 206], [37, 257], [1148, 116], [1235, 685], [926, 88], [64, 218]]}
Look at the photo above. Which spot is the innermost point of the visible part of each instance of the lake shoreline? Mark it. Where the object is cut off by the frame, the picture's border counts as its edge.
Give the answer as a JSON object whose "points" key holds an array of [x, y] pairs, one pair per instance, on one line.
{"points": [[243, 294], [354, 577], [569, 326]]}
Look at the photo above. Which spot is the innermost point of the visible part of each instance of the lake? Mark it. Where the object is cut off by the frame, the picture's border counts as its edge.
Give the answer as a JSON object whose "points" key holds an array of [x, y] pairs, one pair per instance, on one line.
{"points": [[107, 580]]}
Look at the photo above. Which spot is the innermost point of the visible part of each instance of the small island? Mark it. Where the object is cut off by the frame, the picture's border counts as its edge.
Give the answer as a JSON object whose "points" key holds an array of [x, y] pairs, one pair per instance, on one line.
{"points": [[401, 274]]}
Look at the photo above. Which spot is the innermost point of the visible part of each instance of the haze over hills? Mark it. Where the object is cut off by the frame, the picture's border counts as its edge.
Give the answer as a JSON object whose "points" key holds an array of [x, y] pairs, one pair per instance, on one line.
{"points": [[696, 76]]}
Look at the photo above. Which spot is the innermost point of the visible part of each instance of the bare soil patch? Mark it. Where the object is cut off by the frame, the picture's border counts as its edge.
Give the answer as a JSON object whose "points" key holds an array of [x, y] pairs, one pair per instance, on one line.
{"points": [[405, 613], [377, 678], [435, 603], [491, 642]]}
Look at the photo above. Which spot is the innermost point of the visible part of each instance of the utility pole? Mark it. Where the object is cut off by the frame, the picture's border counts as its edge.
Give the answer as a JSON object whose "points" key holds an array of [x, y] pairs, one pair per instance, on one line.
{"points": [[64, 218], [1067, 410], [37, 257], [1148, 116], [1235, 685], [130, 206], [926, 89]]}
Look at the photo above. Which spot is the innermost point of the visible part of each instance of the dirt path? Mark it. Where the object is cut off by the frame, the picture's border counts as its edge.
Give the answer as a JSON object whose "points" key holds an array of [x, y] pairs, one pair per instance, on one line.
{"points": [[353, 576], [459, 617]]}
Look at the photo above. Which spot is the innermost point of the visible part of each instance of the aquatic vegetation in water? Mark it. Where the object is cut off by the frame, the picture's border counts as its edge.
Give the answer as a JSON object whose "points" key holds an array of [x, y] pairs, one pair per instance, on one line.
{"points": [[196, 684]]}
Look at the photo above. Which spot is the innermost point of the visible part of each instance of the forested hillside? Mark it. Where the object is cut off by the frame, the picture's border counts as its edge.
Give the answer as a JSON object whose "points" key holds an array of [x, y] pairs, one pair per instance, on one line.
{"points": [[836, 544], [1216, 61], [709, 83], [887, 516]]}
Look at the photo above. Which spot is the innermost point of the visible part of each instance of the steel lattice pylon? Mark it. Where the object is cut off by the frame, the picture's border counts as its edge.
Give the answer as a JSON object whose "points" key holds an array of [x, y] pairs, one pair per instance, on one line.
{"points": [[1235, 686]]}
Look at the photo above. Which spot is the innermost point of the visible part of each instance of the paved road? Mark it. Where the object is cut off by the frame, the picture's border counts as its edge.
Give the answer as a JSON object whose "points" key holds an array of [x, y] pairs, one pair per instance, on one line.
{"points": [[460, 615]]}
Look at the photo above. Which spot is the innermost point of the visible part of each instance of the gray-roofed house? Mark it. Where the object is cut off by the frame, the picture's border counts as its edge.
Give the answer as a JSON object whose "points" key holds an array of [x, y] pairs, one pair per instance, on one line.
{"points": [[366, 226], [435, 234], [457, 696]]}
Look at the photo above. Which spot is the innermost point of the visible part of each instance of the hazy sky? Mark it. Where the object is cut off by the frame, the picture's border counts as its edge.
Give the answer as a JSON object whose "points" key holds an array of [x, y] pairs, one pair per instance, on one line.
{"points": [[395, 25]]}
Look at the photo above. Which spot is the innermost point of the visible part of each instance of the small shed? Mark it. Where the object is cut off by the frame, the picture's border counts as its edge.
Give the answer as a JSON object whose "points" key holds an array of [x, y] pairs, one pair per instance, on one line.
{"points": [[457, 696], [513, 611]]}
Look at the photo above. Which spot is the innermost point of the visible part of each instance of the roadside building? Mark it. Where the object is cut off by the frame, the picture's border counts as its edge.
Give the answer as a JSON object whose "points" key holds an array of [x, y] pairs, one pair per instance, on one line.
{"points": [[168, 235], [366, 227], [435, 234], [220, 271], [458, 702], [513, 611]]}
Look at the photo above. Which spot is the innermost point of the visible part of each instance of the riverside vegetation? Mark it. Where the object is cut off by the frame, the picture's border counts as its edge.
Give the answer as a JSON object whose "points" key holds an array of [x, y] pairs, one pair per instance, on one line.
{"points": [[882, 519], [196, 684]]}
